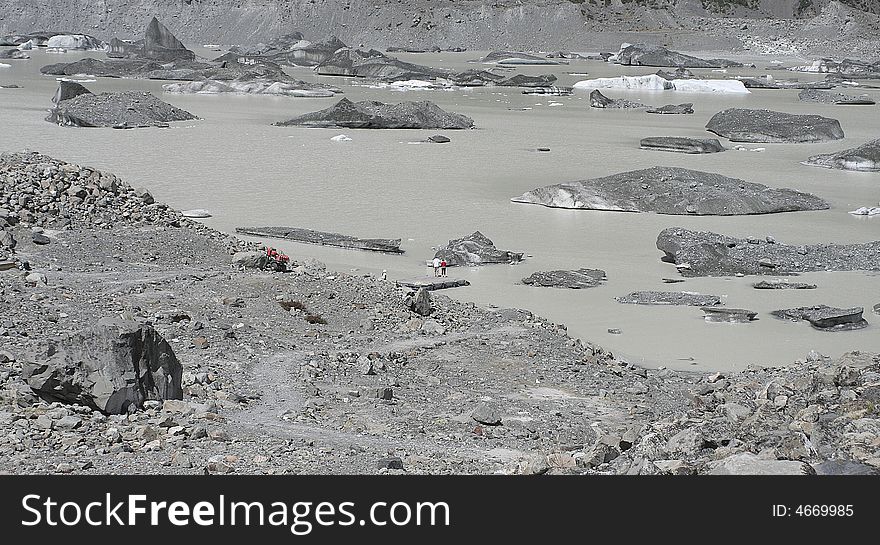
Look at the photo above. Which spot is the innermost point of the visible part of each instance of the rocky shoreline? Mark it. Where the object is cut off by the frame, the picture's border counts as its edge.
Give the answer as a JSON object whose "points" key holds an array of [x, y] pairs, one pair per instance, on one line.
{"points": [[316, 371]]}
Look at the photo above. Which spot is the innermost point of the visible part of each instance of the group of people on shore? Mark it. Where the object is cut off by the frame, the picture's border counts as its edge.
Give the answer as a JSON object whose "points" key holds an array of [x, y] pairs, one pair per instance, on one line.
{"points": [[439, 266]]}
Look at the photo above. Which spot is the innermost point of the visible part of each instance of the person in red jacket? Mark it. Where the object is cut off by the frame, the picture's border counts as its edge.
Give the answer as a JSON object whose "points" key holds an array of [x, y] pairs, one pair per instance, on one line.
{"points": [[442, 267]]}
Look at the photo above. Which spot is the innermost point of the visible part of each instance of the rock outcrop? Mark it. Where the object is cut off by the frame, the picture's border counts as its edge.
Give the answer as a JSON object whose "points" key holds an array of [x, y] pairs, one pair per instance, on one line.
{"points": [[653, 55], [681, 144], [112, 368], [475, 249], [849, 68], [378, 115], [826, 318], [742, 125], [825, 97], [377, 65], [782, 285], [514, 58], [577, 279], [684, 298], [598, 100], [865, 158], [686, 108], [67, 90], [671, 190], [731, 315], [267, 87], [700, 253], [161, 44], [309, 236], [128, 109]]}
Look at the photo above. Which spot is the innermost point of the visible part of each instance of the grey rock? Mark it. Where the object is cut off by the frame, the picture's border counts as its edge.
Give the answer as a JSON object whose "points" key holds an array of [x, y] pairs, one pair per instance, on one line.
{"points": [[679, 109], [118, 110], [161, 44], [439, 139], [421, 302], [109, 368], [865, 158], [68, 423], [390, 462], [600, 453], [742, 125], [734, 315], [432, 327], [376, 65], [669, 298], [40, 239], [578, 279], [475, 249], [782, 285], [36, 278], [514, 57], [67, 90], [598, 100], [653, 55], [672, 190], [309, 236], [681, 144], [688, 441], [378, 115], [386, 394], [826, 318], [487, 413], [7, 240], [700, 253], [749, 464], [250, 260], [825, 97], [844, 467]]}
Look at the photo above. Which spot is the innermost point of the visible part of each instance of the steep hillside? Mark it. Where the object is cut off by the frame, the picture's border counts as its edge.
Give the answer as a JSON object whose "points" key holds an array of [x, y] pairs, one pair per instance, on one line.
{"points": [[532, 24]]}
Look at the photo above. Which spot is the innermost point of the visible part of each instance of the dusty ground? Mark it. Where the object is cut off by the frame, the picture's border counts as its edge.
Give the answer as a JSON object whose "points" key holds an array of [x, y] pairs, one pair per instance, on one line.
{"points": [[268, 391]]}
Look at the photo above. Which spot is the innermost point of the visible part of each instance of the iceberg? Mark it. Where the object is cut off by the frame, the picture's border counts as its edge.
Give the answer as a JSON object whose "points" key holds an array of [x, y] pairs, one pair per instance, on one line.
{"points": [[654, 82]]}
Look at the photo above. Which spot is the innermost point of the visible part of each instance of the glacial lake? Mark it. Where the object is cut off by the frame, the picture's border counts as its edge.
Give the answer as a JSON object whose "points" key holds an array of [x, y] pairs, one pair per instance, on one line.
{"points": [[247, 172]]}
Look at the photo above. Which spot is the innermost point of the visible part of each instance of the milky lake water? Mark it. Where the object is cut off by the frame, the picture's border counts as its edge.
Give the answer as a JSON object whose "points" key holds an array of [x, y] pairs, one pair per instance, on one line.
{"points": [[381, 184]]}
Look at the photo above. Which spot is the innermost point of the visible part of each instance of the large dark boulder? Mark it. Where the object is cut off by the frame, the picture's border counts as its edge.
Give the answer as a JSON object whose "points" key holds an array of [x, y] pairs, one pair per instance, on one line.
{"points": [[826, 97], [598, 100], [67, 90], [277, 45], [523, 80], [742, 125], [654, 55], [681, 144], [865, 158], [161, 44], [113, 368], [578, 279], [475, 249], [669, 298], [700, 253], [673, 109], [378, 115], [672, 190], [376, 65], [81, 108], [825, 318]]}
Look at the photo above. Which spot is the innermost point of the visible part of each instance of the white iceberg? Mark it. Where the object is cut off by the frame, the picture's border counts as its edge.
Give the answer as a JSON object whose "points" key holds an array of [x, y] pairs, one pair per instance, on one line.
{"points": [[867, 211], [79, 42], [654, 82], [341, 138], [725, 86]]}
